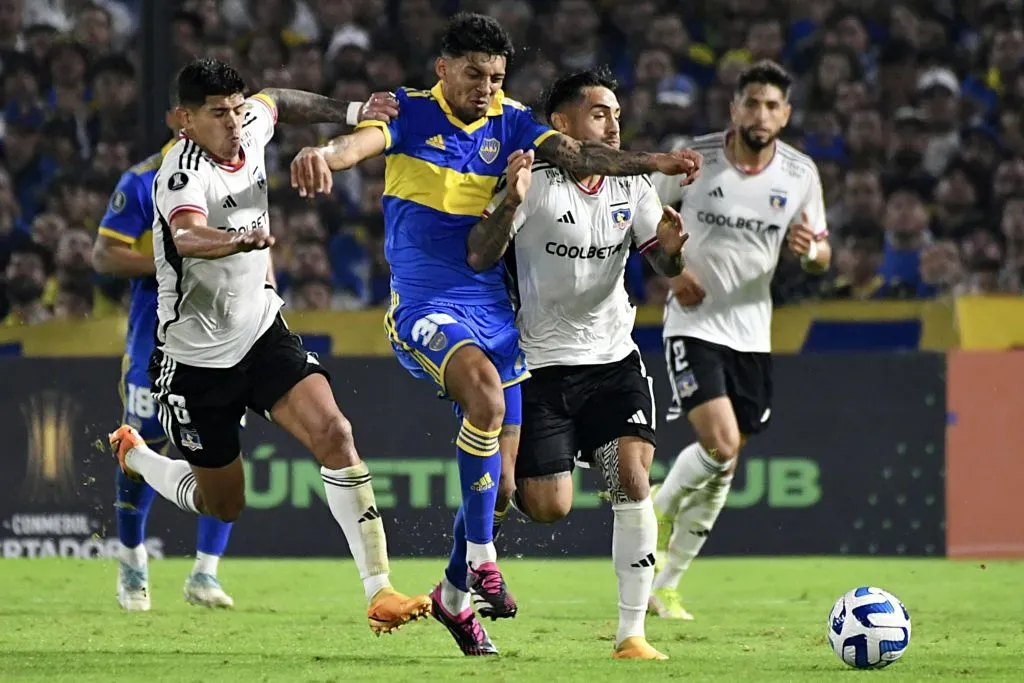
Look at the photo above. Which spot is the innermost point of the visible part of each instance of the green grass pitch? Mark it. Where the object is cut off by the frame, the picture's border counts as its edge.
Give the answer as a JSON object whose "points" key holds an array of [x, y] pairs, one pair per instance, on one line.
{"points": [[303, 620]]}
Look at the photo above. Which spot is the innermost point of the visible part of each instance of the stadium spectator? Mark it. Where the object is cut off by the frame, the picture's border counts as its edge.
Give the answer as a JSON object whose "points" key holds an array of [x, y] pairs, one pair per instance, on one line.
{"points": [[912, 111]]}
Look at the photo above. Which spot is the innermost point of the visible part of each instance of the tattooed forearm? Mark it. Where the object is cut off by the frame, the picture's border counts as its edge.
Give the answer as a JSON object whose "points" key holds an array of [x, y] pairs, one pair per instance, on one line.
{"points": [[593, 158], [665, 263], [489, 238], [299, 106]]}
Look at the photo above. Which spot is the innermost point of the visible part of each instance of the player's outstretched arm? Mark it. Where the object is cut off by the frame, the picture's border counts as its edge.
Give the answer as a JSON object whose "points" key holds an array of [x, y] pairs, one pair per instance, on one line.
{"points": [[193, 238], [489, 238], [312, 167], [302, 107], [113, 257], [596, 158]]}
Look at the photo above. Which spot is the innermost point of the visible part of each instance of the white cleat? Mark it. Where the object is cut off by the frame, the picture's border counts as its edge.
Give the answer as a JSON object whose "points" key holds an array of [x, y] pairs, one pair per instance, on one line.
{"points": [[204, 590], [132, 588]]}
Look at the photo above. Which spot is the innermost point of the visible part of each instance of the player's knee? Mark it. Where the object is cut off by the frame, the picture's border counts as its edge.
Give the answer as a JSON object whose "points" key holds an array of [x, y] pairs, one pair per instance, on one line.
{"points": [[722, 443], [227, 509], [635, 481], [486, 408], [543, 508], [334, 444]]}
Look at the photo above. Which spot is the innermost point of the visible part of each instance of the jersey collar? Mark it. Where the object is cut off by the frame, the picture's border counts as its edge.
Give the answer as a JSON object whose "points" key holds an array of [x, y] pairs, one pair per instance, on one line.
{"points": [[494, 110], [742, 171]]}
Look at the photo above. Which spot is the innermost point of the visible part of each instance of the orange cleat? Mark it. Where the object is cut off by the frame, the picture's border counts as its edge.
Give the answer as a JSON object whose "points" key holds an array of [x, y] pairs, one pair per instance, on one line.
{"points": [[636, 647], [389, 610], [123, 440]]}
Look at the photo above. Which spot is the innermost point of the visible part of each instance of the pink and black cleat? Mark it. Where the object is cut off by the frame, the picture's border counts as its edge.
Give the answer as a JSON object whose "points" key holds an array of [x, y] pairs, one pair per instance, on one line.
{"points": [[466, 629], [490, 594]]}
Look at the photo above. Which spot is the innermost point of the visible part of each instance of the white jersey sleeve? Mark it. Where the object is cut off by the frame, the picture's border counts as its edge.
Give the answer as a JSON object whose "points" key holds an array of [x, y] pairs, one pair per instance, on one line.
{"points": [[260, 118], [648, 215], [184, 189]]}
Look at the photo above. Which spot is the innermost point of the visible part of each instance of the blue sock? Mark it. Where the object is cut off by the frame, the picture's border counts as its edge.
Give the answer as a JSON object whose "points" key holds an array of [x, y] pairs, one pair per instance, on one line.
{"points": [[479, 472], [134, 498], [457, 569], [212, 537]]}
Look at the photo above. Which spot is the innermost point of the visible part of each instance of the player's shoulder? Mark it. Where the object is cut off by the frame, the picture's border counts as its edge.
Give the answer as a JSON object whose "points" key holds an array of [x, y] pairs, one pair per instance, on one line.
{"points": [[704, 143], [547, 174], [509, 105], [184, 155], [415, 98], [795, 164], [148, 165]]}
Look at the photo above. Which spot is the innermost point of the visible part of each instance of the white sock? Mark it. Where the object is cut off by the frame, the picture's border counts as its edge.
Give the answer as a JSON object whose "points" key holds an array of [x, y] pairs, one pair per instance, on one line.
{"points": [[206, 564], [172, 479], [479, 553], [693, 468], [634, 537], [136, 557], [454, 600], [691, 529], [350, 497]]}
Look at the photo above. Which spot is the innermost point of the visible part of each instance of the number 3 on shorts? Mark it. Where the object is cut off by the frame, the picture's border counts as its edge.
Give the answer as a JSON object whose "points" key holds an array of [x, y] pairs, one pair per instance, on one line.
{"points": [[177, 402], [424, 329]]}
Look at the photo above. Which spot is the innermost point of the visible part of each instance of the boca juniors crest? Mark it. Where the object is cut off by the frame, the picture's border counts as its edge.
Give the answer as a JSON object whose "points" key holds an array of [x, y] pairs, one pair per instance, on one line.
{"points": [[489, 149]]}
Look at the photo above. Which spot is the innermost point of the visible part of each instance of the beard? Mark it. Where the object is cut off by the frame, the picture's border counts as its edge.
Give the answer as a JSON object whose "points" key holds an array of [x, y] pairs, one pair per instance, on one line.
{"points": [[755, 143]]}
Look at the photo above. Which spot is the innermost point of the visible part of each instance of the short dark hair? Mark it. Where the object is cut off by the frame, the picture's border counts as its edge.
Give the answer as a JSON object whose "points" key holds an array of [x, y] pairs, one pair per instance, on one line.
{"points": [[569, 88], [765, 72], [204, 77], [468, 32]]}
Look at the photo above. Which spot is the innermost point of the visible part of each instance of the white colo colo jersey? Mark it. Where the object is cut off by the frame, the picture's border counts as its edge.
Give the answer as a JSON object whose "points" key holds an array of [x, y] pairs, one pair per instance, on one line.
{"points": [[570, 248], [737, 224], [211, 312]]}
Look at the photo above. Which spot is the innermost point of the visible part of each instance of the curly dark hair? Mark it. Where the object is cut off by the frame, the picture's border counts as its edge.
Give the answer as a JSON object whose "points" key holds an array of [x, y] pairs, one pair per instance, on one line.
{"points": [[569, 88], [468, 32], [202, 78], [765, 72]]}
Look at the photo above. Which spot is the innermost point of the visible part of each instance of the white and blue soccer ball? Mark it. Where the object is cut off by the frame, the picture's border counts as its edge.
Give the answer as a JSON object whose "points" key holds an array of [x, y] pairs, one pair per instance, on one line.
{"points": [[869, 628]]}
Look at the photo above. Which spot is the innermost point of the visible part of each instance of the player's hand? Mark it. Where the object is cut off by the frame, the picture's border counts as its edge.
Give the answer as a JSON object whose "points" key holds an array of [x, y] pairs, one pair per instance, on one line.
{"points": [[311, 173], [801, 234], [254, 239], [382, 106], [684, 162], [671, 233], [686, 289], [519, 175]]}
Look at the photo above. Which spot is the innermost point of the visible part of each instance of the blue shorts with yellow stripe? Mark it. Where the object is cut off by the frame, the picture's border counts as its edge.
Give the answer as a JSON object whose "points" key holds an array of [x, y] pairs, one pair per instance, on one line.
{"points": [[425, 336]]}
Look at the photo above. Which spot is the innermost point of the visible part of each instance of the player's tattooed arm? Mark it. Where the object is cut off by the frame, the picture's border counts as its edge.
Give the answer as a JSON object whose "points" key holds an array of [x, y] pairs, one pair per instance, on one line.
{"points": [[596, 158], [302, 107], [489, 238]]}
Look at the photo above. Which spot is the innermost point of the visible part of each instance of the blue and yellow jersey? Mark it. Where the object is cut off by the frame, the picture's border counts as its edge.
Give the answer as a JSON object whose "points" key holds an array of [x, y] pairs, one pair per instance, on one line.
{"points": [[129, 219], [440, 175]]}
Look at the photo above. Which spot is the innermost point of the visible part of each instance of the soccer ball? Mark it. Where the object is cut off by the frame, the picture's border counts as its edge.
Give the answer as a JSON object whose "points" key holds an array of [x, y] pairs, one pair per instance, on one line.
{"points": [[869, 628]]}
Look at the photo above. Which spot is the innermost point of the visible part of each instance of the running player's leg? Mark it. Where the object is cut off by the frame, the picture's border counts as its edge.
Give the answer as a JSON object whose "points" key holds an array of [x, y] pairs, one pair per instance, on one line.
{"points": [[616, 425], [748, 378], [469, 352], [700, 374], [290, 386]]}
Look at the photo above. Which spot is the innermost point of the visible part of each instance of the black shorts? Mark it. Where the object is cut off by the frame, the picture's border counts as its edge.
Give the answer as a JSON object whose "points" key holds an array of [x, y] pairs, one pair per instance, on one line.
{"points": [[700, 371], [200, 408], [577, 409]]}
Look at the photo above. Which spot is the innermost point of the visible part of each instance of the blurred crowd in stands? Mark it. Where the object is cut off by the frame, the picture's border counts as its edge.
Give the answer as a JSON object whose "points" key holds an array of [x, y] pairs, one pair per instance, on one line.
{"points": [[912, 110]]}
